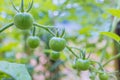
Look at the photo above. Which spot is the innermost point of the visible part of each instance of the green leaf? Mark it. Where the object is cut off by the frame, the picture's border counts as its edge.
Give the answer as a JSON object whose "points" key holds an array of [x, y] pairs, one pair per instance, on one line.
{"points": [[111, 35], [85, 30], [17, 71], [114, 12]]}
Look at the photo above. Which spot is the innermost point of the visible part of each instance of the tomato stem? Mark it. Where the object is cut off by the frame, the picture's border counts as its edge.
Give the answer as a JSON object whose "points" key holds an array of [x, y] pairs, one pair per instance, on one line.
{"points": [[104, 51], [45, 28], [82, 53], [34, 29], [114, 57], [101, 67], [22, 6], [72, 51], [14, 6], [30, 6], [57, 34], [63, 33], [6, 26]]}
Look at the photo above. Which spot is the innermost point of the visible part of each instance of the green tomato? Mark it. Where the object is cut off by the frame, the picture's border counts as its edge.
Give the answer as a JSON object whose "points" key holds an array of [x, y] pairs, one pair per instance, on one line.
{"points": [[57, 44], [82, 64], [54, 55], [23, 20], [103, 76], [33, 41]]}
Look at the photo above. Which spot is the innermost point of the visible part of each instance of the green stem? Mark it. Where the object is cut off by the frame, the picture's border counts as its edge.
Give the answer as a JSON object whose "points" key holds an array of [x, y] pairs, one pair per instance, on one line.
{"points": [[93, 69], [57, 34], [30, 7], [34, 29], [14, 6], [6, 26], [22, 5], [104, 51], [45, 28], [100, 66], [72, 51], [63, 33], [114, 57]]}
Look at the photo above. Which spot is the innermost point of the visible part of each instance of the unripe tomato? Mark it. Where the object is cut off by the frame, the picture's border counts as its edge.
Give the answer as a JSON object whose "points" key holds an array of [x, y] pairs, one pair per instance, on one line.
{"points": [[54, 55], [33, 41], [57, 44], [23, 20], [82, 64], [103, 76]]}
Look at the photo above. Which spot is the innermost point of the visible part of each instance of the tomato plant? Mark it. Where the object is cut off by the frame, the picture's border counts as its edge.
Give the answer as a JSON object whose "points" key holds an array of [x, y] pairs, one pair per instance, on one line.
{"points": [[25, 21]]}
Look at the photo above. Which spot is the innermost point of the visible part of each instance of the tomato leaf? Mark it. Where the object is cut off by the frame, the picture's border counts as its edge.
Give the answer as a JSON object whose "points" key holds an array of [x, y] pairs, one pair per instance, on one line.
{"points": [[17, 71], [114, 12], [111, 35]]}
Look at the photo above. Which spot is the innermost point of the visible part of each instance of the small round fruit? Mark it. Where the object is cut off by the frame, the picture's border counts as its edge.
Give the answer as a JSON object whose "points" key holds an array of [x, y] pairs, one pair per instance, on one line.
{"points": [[33, 41], [54, 55], [57, 43], [82, 64], [23, 20], [103, 76]]}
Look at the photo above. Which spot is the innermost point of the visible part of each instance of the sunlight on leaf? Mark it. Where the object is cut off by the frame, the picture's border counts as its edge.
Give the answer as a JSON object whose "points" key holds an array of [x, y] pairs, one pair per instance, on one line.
{"points": [[114, 12], [111, 35]]}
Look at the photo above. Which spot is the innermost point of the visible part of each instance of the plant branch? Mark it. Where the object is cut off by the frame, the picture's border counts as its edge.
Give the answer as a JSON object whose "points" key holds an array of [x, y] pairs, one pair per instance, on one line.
{"points": [[34, 29], [14, 6], [100, 66], [114, 57], [30, 6], [45, 28], [22, 6], [6, 26], [72, 51]]}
